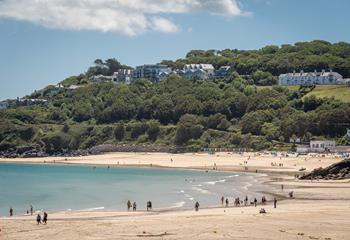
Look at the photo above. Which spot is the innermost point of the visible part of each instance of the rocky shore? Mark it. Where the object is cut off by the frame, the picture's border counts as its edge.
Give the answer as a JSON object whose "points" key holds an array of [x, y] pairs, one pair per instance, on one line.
{"points": [[336, 171]]}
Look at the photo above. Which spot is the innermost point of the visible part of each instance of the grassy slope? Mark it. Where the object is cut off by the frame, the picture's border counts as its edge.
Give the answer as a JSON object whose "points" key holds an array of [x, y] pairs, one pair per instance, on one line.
{"points": [[339, 92]]}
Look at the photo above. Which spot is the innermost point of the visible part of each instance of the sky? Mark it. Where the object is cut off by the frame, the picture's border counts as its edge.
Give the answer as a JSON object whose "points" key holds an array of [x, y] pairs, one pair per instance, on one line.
{"points": [[43, 42]]}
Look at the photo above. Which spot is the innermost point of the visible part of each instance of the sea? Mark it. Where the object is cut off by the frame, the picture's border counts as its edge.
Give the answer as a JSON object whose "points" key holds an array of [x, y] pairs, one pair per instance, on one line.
{"points": [[56, 187]]}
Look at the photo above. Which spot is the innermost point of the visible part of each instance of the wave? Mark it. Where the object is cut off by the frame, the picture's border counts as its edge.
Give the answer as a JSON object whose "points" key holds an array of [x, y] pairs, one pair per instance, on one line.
{"points": [[215, 182], [231, 176], [201, 190], [177, 205], [92, 209]]}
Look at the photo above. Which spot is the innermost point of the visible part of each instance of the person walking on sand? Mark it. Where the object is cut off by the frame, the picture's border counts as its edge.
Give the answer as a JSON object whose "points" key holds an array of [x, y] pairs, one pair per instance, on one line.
{"points": [[38, 219], [128, 204], [275, 203], [255, 202], [227, 202], [134, 206], [246, 200], [11, 212], [196, 206], [45, 218], [31, 210], [222, 200]]}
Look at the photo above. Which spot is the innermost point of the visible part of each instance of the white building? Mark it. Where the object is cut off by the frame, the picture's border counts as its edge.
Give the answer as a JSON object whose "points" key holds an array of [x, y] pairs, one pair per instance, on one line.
{"points": [[310, 78], [318, 147], [202, 71]]}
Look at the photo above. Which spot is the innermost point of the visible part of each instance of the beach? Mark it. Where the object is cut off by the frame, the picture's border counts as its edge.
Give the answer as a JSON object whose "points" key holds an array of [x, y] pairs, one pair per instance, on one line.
{"points": [[319, 209]]}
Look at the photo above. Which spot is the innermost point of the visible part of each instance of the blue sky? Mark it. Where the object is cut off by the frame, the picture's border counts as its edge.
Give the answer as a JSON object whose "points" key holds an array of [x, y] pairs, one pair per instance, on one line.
{"points": [[38, 51]]}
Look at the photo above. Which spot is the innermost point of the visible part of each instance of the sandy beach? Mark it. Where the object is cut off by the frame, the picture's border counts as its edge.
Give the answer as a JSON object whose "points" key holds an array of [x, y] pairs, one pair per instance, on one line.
{"points": [[319, 209]]}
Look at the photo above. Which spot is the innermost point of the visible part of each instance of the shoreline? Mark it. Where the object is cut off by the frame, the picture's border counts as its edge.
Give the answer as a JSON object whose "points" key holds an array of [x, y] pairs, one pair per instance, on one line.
{"points": [[316, 206]]}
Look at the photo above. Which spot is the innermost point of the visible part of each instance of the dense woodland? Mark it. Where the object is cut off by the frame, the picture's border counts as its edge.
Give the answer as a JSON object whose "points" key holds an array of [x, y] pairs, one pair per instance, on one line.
{"points": [[232, 112]]}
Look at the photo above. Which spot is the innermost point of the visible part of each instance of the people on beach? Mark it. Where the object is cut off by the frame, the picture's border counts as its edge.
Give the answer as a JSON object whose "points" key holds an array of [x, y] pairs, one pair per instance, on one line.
{"points": [[222, 200], [149, 205], [263, 200], [255, 202], [45, 218], [31, 210], [134, 206], [38, 219], [262, 211], [282, 187], [128, 204], [246, 200], [227, 202], [196, 206], [11, 212], [291, 194], [275, 203]]}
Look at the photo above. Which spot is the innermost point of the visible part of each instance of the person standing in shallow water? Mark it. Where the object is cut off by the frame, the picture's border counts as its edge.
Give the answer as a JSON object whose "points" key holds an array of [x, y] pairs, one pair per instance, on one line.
{"points": [[31, 210], [134, 206], [11, 212], [128, 204], [196, 206], [222, 200]]}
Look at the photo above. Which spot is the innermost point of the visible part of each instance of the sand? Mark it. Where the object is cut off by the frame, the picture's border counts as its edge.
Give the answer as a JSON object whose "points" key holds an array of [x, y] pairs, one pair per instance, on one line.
{"points": [[320, 210]]}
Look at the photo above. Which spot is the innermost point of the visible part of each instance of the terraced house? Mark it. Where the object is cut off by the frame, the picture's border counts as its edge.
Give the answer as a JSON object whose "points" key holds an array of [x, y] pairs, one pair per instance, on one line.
{"points": [[310, 78]]}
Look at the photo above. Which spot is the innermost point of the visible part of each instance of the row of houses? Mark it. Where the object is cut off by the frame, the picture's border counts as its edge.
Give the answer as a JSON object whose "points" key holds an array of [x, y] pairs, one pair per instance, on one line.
{"points": [[155, 72], [312, 78]]}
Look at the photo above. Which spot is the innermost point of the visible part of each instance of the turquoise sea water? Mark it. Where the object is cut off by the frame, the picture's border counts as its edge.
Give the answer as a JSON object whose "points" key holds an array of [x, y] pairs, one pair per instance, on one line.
{"points": [[75, 187]]}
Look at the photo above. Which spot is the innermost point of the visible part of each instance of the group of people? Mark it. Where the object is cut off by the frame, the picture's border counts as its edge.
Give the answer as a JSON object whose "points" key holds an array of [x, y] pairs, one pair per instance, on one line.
{"points": [[133, 206], [237, 202], [39, 219], [129, 205]]}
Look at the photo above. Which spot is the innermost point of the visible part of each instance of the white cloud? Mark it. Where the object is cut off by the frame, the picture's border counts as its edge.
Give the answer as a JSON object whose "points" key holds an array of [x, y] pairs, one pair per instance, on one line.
{"points": [[130, 17]]}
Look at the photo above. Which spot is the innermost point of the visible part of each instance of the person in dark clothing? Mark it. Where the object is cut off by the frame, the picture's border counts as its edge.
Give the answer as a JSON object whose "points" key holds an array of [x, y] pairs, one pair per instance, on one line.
{"points": [[38, 219], [128, 204], [226, 202], [11, 212], [274, 202], [45, 218], [149, 205], [196, 206], [255, 202], [31, 210], [134, 206]]}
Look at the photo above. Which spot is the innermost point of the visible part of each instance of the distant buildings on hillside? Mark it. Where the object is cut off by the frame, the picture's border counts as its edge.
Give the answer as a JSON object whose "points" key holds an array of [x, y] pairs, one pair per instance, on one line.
{"points": [[155, 72], [152, 72], [310, 78]]}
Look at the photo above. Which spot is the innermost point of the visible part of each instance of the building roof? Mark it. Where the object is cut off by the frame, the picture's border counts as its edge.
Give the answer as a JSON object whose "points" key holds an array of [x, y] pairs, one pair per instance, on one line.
{"points": [[312, 74], [203, 66]]}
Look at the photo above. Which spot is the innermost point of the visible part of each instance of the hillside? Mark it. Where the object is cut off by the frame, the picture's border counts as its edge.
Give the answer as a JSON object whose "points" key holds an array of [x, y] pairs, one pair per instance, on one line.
{"points": [[235, 111]]}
